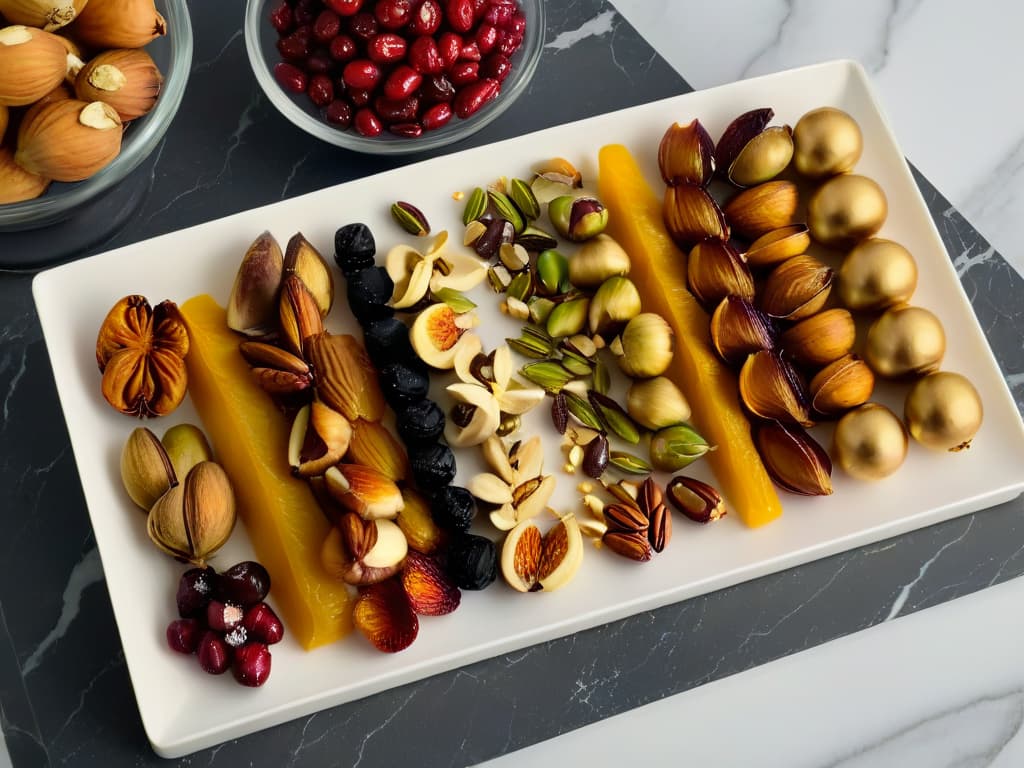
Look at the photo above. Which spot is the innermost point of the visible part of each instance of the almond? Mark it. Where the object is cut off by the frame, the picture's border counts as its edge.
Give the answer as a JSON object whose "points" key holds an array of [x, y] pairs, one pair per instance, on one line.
{"points": [[345, 378], [374, 446]]}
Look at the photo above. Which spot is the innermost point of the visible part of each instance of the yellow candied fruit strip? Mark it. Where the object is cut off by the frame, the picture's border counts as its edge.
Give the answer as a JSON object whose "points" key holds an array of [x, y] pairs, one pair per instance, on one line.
{"points": [[658, 269], [281, 515]]}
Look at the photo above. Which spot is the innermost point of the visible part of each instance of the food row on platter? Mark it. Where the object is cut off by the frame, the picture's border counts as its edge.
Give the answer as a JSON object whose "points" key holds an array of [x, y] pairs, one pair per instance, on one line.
{"points": [[725, 340]]}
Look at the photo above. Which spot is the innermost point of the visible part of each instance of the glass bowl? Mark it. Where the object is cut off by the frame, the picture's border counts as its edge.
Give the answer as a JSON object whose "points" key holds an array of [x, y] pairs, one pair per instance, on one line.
{"points": [[173, 55], [260, 42]]}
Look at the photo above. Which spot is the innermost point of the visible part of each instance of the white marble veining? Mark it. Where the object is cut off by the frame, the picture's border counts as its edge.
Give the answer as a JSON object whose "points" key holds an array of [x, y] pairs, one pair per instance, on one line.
{"points": [[942, 688], [945, 70]]}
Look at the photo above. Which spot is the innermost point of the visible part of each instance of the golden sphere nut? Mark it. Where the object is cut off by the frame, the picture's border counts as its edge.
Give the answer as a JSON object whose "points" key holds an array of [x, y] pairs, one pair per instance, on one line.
{"points": [[846, 209], [905, 341], [869, 442], [876, 274], [826, 141], [944, 411]]}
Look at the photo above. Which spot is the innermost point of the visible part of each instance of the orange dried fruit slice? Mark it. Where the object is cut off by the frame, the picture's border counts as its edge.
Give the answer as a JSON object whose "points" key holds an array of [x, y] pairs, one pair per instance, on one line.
{"points": [[383, 614], [418, 524]]}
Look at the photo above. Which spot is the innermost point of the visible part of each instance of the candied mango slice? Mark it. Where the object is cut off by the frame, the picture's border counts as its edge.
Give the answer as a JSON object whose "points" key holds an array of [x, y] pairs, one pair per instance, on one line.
{"points": [[659, 271], [281, 515]]}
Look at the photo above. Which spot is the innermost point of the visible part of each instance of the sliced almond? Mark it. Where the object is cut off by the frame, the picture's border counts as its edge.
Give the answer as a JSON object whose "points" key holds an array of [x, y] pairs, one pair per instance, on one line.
{"points": [[490, 488], [391, 547]]}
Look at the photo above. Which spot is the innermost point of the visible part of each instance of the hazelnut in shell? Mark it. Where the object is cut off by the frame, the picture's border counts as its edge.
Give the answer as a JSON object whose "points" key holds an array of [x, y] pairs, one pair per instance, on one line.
{"points": [[69, 140], [17, 184], [32, 63], [126, 79]]}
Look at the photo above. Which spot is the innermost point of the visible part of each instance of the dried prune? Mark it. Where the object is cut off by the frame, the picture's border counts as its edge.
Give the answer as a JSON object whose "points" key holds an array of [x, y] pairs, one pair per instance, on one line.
{"points": [[472, 561], [404, 383], [433, 467], [453, 508], [354, 248], [387, 339], [369, 291], [421, 422]]}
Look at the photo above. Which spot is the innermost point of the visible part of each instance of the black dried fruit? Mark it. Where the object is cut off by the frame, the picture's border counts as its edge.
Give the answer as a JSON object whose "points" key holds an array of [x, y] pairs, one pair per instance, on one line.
{"points": [[354, 248], [369, 291], [387, 339], [453, 509], [245, 583], [472, 561], [404, 383], [421, 422], [498, 232], [595, 456], [433, 467]]}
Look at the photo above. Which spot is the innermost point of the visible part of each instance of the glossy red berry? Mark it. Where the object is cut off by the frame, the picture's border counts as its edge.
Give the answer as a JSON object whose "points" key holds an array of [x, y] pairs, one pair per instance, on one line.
{"points": [[305, 11], [183, 635], [252, 664], [436, 117], [397, 110], [361, 73], [344, 7], [367, 123], [450, 46], [437, 88], [424, 56], [426, 19], [363, 25], [496, 67], [469, 52], [223, 617], [509, 42], [459, 14], [342, 48], [214, 654], [339, 113], [406, 130], [386, 47], [472, 98], [243, 583], [402, 82], [321, 90], [262, 624], [281, 18], [464, 73], [317, 64], [296, 45], [195, 588], [486, 38], [290, 77], [359, 97], [499, 14], [393, 14]]}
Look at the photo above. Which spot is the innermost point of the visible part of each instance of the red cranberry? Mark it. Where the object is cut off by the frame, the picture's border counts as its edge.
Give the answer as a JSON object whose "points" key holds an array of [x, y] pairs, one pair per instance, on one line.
{"points": [[459, 14], [469, 52], [397, 110], [393, 14], [499, 14], [294, 46], [363, 25], [183, 635], [290, 77], [450, 46], [367, 123], [486, 38], [214, 654], [479, 6], [437, 88], [359, 97], [361, 73], [343, 48], [402, 82], [327, 26], [518, 24], [252, 664], [223, 617], [305, 11], [321, 90], [464, 73], [318, 64], [426, 19], [386, 47], [263, 624], [470, 99], [406, 130], [244, 583], [496, 66], [508, 43], [344, 7], [424, 56], [195, 588], [281, 18], [339, 113], [437, 116]]}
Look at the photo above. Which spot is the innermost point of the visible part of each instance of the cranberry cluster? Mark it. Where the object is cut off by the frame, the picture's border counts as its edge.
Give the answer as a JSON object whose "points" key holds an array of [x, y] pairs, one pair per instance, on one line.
{"points": [[225, 622], [405, 66]]}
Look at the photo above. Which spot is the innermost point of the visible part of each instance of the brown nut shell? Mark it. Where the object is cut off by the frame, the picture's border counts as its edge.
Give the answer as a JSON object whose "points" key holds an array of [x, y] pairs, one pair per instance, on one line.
{"points": [[69, 140], [841, 385], [777, 246], [119, 23], [715, 270], [770, 388], [32, 63], [761, 209], [797, 288], [686, 155], [821, 338], [794, 459], [126, 79], [17, 184], [738, 329], [692, 215], [763, 158]]}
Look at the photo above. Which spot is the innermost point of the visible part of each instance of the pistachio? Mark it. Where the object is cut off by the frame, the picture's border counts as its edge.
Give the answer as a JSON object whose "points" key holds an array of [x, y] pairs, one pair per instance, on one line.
{"points": [[531, 346], [299, 314], [692, 215], [476, 204], [513, 256], [797, 288], [535, 239], [457, 302], [319, 438], [695, 499], [574, 362], [627, 462], [553, 272], [763, 158], [186, 446], [507, 210], [820, 338], [595, 457], [568, 318], [252, 306], [646, 346], [515, 308], [676, 447], [794, 459], [613, 417], [656, 403], [771, 389], [582, 411], [686, 155], [596, 260], [524, 199], [739, 329], [547, 374], [601, 378], [521, 288], [562, 171], [616, 302], [583, 346], [473, 232], [147, 472], [192, 520], [763, 208], [302, 259], [577, 218], [410, 218], [842, 384], [738, 134], [776, 246], [499, 278], [540, 309], [715, 270]]}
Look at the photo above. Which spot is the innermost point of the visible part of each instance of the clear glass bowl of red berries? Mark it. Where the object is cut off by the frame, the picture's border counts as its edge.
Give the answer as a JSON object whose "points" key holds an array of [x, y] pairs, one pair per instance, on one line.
{"points": [[393, 76]]}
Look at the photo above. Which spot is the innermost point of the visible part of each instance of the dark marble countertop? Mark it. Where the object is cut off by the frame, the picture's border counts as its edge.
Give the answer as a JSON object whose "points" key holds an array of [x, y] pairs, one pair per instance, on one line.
{"points": [[65, 695]]}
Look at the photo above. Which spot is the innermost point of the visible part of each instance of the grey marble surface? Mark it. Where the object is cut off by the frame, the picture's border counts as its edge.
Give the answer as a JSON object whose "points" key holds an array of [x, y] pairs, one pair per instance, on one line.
{"points": [[65, 697]]}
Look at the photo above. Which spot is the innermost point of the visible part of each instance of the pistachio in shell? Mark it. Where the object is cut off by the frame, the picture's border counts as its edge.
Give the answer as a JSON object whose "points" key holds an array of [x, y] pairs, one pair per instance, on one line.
{"points": [[738, 134], [186, 446], [302, 259], [193, 519], [686, 155], [777, 246], [616, 302], [763, 208], [146, 470], [596, 260], [763, 158], [656, 403], [797, 288], [821, 338], [692, 215], [253, 303], [841, 385]]}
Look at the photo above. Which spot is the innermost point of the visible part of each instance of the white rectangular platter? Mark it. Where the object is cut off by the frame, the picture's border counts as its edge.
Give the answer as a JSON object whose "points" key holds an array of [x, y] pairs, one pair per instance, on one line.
{"points": [[184, 710]]}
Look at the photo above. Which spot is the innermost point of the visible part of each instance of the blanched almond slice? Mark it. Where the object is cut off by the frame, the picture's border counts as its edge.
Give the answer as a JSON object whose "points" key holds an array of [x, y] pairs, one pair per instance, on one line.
{"points": [[391, 547], [497, 459], [490, 488]]}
